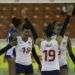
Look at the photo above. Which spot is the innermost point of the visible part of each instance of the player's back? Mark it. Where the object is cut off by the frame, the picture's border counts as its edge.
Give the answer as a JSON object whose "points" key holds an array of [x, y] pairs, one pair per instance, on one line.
{"points": [[49, 51]]}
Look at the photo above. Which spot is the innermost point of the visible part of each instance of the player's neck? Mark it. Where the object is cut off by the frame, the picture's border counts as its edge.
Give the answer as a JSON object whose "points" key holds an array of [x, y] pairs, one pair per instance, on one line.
{"points": [[48, 38], [25, 39]]}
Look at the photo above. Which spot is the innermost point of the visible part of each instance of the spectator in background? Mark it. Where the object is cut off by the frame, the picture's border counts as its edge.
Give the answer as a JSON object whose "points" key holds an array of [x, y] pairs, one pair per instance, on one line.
{"points": [[10, 54]]}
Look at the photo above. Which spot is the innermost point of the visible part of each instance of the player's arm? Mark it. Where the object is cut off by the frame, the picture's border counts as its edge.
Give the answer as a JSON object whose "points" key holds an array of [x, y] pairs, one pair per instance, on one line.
{"points": [[3, 50], [35, 56], [67, 19], [65, 24], [69, 47]]}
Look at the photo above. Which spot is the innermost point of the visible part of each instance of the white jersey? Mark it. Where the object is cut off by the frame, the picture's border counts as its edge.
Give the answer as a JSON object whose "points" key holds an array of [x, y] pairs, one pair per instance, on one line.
{"points": [[10, 52], [23, 52], [63, 52], [49, 51]]}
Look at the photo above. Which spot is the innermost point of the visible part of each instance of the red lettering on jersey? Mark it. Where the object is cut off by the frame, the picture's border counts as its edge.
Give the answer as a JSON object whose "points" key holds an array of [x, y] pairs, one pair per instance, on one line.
{"points": [[49, 55]]}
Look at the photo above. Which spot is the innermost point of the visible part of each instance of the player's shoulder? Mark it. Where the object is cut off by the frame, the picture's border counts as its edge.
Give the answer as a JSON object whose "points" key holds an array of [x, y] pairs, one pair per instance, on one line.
{"points": [[43, 41]]}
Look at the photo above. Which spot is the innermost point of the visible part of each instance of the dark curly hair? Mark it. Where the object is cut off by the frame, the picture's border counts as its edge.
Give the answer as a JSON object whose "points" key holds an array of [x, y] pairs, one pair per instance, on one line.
{"points": [[49, 29], [28, 25]]}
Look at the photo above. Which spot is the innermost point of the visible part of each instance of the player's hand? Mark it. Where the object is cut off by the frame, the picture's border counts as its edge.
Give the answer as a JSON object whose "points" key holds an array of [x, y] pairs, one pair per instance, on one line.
{"points": [[70, 9]]}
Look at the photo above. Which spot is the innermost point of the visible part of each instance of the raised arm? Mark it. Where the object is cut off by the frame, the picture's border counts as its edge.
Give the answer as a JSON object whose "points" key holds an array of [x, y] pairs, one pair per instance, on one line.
{"points": [[65, 24], [69, 10], [69, 47]]}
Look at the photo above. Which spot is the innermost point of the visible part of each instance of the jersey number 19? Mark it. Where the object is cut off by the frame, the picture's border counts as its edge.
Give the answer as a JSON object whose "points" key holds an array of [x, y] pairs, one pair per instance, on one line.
{"points": [[49, 55]]}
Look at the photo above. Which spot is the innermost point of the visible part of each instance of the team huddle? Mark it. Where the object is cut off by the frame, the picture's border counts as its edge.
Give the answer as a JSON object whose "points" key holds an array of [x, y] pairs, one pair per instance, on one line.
{"points": [[54, 47]]}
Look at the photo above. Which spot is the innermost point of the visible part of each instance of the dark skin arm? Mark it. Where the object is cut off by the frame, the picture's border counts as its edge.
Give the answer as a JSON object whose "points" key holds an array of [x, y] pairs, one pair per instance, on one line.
{"points": [[35, 56], [65, 24], [69, 47], [3, 50], [70, 10]]}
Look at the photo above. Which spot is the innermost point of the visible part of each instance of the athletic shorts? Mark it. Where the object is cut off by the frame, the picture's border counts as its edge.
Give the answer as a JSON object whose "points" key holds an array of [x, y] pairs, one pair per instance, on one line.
{"points": [[54, 72], [24, 68]]}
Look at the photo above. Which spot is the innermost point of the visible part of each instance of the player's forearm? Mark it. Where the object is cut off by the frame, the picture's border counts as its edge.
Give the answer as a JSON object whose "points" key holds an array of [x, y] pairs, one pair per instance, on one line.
{"points": [[73, 58], [65, 24], [69, 47], [71, 55], [35, 56], [70, 10], [3, 50]]}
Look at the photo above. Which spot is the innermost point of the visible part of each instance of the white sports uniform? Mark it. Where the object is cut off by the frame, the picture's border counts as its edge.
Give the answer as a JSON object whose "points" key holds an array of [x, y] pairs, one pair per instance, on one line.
{"points": [[49, 52], [63, 52], [10, 52], [23, 52]]}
